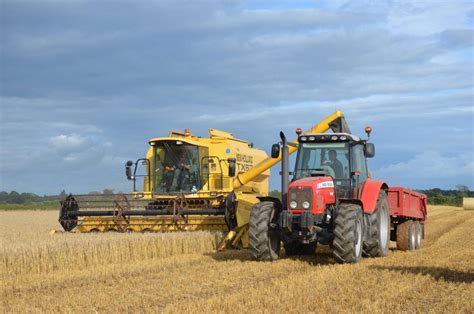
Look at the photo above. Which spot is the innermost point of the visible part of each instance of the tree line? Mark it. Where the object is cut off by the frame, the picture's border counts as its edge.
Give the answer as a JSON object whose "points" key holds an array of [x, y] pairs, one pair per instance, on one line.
{"points": [[14, 197], [436, 196]]}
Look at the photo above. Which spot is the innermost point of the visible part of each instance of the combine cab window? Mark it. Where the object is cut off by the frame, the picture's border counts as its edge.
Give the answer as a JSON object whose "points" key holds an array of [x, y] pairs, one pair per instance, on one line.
{"points": [[176, 167], [331, 158]]}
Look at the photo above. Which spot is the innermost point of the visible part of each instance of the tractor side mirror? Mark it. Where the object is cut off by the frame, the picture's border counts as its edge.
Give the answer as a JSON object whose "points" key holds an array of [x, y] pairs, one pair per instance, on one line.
{"points": [[369, 150], [128, 169], [232, 164], [275, 150]]}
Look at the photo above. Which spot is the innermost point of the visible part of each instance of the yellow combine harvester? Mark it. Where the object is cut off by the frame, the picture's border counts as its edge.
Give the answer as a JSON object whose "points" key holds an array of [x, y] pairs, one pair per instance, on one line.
{"points": [[190, 183]]}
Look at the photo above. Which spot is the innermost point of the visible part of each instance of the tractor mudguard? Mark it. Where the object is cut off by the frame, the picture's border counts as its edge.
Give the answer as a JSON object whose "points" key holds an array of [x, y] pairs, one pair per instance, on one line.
{"points": [[370, 194]]}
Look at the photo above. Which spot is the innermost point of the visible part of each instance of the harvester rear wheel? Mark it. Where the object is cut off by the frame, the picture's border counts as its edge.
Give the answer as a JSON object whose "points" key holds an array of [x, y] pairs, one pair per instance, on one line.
{"points": [[406, 236], [264, 242], [348, 230], [379, 229], [298, 248]]}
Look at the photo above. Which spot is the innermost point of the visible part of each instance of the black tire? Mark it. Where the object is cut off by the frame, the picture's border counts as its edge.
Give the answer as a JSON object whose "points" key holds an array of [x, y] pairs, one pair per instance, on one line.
{"points": [[379, 229], [230, 209], [406, 236], [264, 242], [418, 234], [348, 231], [298, 248]]}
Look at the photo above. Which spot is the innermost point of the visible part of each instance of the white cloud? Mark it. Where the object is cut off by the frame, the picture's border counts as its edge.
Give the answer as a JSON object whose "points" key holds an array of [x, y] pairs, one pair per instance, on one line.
{"points": [[79, 149], [67, 142], [431, 168]]}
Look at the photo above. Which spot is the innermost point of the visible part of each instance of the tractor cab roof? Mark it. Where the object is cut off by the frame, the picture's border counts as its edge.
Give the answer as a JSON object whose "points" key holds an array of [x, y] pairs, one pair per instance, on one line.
{"points": [[325, 137]]}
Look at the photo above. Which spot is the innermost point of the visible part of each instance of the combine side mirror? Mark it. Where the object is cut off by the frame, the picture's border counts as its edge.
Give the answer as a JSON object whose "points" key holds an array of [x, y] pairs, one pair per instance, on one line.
{"points": [[369, 150], [128, 169], [275, 150], [232, 163]]}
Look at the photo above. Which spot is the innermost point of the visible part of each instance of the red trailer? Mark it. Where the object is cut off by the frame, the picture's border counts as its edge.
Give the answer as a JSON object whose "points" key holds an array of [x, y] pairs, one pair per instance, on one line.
{"points": [[408, 210]]}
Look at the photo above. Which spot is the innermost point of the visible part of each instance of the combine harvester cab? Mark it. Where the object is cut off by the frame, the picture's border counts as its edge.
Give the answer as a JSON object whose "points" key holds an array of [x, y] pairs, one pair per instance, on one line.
{"points": [[191, 183]]}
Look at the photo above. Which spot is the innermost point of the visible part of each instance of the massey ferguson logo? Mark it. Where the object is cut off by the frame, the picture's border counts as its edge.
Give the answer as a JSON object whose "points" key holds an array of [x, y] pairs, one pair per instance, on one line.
{"points": [[327, 184]]}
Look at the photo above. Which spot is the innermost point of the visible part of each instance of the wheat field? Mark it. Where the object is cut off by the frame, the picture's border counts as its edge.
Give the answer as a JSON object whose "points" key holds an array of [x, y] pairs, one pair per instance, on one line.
{"points": [[182, 272]]}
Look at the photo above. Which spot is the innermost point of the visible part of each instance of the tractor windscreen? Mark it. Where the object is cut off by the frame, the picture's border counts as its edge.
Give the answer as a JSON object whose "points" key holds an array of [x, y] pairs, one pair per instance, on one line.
{"points": [[332, 158], [176, 167]]}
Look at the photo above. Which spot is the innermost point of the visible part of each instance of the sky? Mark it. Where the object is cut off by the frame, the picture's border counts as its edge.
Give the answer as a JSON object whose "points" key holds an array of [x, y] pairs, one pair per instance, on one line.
{"points": [[85, 84]]}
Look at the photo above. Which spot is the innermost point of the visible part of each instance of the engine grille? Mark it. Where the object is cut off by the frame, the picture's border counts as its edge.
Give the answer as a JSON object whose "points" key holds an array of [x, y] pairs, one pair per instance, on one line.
{"points": [[300, 195]]}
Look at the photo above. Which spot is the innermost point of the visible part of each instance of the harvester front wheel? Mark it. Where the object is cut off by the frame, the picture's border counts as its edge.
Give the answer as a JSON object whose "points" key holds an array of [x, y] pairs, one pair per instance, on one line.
{"points": [[298, 248], [379, 229], [348, 231], [264, 242], [406, 236]]}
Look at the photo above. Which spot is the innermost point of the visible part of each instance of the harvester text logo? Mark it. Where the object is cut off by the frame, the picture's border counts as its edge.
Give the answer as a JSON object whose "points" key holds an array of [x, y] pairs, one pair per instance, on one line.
{"points": [[244, 162]]}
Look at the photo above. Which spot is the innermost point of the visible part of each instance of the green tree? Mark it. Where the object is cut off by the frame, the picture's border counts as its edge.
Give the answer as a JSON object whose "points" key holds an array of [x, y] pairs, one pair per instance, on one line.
{"points": [[108, 191]]}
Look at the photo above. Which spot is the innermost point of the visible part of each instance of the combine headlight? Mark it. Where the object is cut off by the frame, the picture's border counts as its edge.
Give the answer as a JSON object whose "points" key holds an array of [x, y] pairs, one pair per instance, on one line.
{"points": [[293, 204], [334, 138], [306, 204], [312, 138], [303, 138]]}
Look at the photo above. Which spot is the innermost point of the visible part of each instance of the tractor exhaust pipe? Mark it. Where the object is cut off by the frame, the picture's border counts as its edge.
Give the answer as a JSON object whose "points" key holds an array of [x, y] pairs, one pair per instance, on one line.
{"points": [[285, 169]]}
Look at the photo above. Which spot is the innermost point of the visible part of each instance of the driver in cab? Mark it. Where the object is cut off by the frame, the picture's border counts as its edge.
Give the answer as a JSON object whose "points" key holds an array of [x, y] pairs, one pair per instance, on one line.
{"points": [[335, 164]]}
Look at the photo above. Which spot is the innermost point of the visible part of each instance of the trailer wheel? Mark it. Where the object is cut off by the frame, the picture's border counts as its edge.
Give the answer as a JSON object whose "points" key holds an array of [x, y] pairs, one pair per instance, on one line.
{"points": [[406, 236], [418, 234], [264, 242], [379, 229], [348, 231], [298, 248]]}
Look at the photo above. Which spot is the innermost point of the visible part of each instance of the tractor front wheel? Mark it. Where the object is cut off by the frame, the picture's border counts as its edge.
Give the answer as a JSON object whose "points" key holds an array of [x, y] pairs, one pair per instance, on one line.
{"points": [[264, 242], [348, 231]]}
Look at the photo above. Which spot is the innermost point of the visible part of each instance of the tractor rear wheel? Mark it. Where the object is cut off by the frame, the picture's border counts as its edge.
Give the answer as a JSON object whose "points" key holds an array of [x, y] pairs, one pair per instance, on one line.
{"points": [[406, 236], [348, 231], [264, 242], [298, 248], [379, 229]]}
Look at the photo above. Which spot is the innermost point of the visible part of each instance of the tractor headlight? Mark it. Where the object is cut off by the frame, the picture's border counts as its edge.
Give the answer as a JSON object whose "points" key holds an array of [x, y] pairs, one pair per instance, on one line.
{"points": [[293, 204], [306, 204]]}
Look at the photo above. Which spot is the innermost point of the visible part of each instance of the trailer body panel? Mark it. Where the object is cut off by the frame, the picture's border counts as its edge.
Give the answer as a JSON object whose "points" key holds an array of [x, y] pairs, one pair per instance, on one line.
{"points": [[407, 203]]}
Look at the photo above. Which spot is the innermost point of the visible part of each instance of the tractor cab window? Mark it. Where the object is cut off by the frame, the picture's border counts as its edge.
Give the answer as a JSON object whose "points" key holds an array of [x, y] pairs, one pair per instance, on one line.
{"points": [[331, 158], [176, 167], [358, 162]]}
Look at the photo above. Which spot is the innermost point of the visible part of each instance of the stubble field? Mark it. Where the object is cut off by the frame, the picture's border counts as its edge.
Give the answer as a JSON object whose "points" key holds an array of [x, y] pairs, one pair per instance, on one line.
{"points": [[183, 272]]}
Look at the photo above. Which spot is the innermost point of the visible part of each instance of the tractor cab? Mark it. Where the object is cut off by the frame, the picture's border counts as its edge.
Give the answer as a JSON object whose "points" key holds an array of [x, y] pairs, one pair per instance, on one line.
{"points": [[340, 156]]}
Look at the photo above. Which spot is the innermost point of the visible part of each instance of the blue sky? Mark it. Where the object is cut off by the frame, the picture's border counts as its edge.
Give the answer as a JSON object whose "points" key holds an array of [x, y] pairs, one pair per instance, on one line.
{"points": [[84, 84]]}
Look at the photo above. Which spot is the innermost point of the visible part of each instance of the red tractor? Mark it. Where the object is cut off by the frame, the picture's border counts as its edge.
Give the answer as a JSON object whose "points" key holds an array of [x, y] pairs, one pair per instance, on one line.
{"points": [[332, 200]]}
